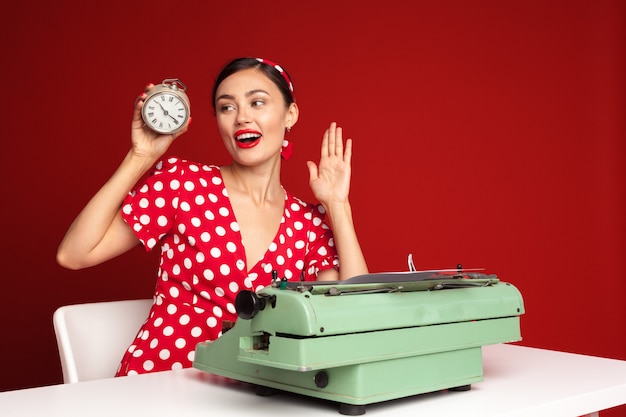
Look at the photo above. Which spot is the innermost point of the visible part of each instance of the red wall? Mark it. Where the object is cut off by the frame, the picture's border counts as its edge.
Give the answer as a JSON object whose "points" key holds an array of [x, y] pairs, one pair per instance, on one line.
{"points": [[487, 133]]}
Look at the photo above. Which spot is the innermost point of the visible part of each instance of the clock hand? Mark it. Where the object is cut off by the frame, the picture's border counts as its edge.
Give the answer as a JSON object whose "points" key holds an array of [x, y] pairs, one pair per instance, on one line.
{"points": [[163, 108]]}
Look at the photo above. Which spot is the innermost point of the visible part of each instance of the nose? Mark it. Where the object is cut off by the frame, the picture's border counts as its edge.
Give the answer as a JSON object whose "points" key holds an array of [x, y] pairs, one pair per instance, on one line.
{"points": [[243, 116]]}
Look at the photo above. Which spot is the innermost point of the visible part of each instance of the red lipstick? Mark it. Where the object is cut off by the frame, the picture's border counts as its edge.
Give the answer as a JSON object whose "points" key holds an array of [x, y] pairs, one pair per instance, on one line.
{"points": [[247, 138]]}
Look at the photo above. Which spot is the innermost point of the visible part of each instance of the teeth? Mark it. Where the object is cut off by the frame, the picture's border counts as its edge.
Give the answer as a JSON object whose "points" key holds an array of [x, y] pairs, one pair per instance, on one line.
{"points": [[248, 136]]}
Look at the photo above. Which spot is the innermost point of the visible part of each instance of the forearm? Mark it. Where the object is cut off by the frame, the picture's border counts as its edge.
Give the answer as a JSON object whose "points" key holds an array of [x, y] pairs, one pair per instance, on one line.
{"points": [[97, 234], [351, 259]]}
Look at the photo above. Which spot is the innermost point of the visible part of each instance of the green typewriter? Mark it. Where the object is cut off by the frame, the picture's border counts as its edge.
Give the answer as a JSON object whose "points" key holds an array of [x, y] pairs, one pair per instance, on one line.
{"points": [[371, 338]]}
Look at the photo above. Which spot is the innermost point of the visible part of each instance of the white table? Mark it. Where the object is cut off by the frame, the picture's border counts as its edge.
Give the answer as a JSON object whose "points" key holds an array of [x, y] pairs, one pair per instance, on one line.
{"points": [[519, 381]]}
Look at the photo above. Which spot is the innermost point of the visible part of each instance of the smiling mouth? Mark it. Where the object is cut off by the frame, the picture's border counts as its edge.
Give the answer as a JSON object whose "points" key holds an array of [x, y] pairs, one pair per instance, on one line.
{"points": [[248, 137], [248, 140]]}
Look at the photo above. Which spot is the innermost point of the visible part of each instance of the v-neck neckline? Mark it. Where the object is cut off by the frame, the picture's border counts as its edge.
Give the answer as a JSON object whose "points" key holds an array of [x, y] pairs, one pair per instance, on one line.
{"points": [[240, 244]]}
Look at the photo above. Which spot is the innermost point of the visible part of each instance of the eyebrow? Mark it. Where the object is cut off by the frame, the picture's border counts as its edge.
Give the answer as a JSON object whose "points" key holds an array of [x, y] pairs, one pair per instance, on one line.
{"points": [[248, 94]]}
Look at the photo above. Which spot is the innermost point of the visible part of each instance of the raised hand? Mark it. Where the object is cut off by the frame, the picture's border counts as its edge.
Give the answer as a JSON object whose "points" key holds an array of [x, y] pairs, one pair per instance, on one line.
{"points": [[330, 179], [99, 233]]}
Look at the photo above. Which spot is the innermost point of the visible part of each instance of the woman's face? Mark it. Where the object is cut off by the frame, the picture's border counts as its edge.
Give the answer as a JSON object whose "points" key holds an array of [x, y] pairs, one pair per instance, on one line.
{"points": [[252, 116]]}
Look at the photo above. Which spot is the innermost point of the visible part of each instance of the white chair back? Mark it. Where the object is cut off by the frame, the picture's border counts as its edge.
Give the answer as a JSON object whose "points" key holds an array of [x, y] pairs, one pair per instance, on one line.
{"points": [[93, 337]]}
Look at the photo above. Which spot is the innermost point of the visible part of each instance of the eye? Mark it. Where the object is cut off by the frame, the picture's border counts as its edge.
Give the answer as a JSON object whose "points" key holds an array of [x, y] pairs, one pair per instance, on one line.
{"points": [[226, 108], [257, 103]]}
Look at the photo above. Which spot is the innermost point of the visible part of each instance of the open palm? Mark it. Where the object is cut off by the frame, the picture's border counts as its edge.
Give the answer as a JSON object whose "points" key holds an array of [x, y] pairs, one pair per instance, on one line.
{"points": [[330, 179]]}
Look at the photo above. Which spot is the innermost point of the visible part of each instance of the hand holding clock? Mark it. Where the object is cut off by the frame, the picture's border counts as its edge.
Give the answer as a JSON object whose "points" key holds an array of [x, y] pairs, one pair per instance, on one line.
{"points": [[161, 114], [99, 233]]}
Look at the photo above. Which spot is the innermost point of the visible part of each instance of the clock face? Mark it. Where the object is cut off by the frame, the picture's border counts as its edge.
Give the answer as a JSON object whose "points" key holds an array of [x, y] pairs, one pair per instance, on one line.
{"points": [[165, 113]]}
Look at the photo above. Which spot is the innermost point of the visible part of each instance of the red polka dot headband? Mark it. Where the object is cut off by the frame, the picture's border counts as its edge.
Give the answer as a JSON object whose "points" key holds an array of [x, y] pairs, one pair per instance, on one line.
{"points": [[281, 71], [287, 149]]}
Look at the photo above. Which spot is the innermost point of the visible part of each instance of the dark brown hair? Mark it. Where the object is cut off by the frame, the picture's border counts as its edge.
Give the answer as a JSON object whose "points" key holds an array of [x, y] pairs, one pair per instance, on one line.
{"points": [[240, 64]]}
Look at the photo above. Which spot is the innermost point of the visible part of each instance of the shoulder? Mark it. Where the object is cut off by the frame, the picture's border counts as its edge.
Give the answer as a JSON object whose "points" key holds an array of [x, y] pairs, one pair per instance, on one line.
{"points": [[178, 169], [178, 165], [181, 176]]}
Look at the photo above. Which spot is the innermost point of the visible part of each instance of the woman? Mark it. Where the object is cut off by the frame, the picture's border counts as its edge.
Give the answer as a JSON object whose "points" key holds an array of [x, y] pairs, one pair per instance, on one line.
{"points": [[220, 229]]}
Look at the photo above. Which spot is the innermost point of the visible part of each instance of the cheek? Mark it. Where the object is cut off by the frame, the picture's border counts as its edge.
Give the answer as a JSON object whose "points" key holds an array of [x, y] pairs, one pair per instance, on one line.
{"points": [[272, 122], [223, 126]]}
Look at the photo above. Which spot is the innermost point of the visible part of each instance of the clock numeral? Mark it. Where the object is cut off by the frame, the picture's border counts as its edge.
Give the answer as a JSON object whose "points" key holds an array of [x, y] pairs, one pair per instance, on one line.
{"points": [[154, 121], [171, 99], [151, 114]]}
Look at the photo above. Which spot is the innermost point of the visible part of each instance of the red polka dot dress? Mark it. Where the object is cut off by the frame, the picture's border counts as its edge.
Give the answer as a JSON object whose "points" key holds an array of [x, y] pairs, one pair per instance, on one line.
{"points": [[184, 208]]}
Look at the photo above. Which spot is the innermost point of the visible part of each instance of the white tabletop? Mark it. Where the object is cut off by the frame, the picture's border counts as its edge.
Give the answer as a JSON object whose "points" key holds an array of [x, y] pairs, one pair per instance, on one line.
{"points": [[519, 381]]}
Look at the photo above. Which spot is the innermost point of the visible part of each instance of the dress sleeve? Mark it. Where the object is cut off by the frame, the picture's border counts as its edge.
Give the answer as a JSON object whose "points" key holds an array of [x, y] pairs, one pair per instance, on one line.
{"points": [[321, 252], [150, 209]]}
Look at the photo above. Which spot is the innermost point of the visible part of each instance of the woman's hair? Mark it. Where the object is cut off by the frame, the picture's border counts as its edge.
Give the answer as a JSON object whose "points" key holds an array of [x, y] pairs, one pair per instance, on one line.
{"points": [[278, 76]]}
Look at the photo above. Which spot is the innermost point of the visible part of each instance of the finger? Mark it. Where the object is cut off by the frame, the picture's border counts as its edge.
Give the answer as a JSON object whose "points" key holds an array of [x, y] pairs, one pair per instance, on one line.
{"points": [[138, 105], [312, 170], [139, 100], [347, 156], [332, 131], [324, 150], [339, 142]]}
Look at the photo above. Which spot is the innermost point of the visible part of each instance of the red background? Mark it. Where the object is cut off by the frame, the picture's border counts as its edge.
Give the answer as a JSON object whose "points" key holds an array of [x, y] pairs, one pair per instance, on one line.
{"points": [[487, 133]]}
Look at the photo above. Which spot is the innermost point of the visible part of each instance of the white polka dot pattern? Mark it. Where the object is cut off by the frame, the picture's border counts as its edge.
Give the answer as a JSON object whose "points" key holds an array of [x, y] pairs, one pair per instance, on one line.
{"points": [[184, 207]]}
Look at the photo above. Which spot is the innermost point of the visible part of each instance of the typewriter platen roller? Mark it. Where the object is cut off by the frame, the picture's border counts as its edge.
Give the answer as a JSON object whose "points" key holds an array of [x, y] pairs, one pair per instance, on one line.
{"points": [[371, 338]]}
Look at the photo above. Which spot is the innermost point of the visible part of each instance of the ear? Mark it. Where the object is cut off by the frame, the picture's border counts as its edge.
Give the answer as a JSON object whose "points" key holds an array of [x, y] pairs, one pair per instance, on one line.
{"points": [[292, 115]]}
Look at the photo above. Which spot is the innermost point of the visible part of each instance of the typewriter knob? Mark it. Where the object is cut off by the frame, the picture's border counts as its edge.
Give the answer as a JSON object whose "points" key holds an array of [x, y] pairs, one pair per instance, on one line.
{"points": [[321, 379], [247, 304]]}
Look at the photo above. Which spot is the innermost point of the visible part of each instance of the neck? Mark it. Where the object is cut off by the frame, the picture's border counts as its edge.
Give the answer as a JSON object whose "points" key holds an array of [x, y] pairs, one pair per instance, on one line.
{"points": [[261, 184]]}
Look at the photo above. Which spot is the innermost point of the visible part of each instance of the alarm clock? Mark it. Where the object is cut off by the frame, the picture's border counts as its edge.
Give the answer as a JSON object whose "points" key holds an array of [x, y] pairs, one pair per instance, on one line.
{"points": [[166, 108]]}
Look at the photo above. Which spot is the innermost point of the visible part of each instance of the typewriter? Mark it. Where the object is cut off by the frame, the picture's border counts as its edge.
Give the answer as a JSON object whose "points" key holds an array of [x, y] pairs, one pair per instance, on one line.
{"points": [[372, 338]]}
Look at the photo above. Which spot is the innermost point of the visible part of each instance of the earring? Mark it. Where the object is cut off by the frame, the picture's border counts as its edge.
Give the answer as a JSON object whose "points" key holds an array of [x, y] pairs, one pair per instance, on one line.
{"points": [[288, 128]]}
